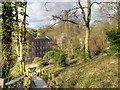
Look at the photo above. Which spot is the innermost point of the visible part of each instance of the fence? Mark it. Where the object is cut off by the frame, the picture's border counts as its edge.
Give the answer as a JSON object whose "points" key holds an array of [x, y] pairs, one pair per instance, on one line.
{"points": [[13, 83], [14, 80], [50, 79]]}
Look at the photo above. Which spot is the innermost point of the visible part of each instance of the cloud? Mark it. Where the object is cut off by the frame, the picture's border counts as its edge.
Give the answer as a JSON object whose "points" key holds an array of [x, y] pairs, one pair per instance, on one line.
{"points": [[52, 0], [69, 0], [39, 15]]}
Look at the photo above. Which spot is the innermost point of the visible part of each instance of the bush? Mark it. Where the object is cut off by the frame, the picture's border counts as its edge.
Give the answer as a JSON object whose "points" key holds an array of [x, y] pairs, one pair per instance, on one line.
{"points": [[38, 61], [15, 71], [60, 59], [114, 39], [48, 58]]}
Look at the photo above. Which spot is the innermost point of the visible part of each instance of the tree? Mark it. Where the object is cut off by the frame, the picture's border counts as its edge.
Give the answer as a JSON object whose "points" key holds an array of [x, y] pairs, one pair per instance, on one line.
{"points": [[86, 19], [7, 29], [19, 33], [22, 36], [111, 11], [113, 32]]}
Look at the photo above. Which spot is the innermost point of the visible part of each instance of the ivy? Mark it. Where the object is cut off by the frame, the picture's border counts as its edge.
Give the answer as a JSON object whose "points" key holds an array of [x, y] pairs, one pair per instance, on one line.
{"points": [[114, 39]]}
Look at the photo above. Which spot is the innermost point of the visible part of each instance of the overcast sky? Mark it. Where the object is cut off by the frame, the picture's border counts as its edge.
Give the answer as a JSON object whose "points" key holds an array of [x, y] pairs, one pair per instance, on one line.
{"points": [[39, 15]]}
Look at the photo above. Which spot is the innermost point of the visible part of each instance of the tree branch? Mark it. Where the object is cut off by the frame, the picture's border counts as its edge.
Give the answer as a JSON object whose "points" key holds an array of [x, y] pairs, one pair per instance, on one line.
{"points": [[57, 17], [46, 5], [89, 12], [83, 12], [54, 24]]}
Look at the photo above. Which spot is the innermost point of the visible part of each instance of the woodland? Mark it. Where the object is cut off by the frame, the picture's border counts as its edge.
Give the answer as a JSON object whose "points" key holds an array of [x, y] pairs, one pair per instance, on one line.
{"points": [[86, 57]]}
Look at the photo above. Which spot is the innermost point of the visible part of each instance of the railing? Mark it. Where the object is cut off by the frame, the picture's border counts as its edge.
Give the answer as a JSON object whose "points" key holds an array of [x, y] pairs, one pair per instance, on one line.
{"points": [[50, 79], [19, 82], [14, 80]]}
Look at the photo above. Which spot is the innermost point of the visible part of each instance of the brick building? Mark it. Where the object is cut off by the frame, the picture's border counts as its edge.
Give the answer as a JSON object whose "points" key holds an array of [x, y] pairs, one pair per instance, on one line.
{"points": [[39, 46]]}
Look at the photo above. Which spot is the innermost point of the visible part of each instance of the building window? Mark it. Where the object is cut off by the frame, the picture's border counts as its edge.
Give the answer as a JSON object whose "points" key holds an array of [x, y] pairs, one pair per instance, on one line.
{"points": [[32, 56], [38, 54], [43, 47], [32, 49], [40, 47], [38, 43], [37, 48], [32, 43]]}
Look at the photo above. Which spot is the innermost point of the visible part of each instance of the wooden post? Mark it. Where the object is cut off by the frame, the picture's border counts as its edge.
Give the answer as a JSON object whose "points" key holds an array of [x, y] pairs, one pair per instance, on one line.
{"points": [[53, 78], [1, 83], [49, 76]]}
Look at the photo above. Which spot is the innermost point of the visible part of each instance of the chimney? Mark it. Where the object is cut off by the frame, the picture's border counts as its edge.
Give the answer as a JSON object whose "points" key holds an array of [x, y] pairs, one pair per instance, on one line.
{"points": [[118, 16], [66, 22]]}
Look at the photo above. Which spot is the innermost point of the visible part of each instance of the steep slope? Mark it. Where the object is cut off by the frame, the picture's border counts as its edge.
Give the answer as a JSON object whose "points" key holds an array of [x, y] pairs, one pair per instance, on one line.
{"points": [[101, 72]]}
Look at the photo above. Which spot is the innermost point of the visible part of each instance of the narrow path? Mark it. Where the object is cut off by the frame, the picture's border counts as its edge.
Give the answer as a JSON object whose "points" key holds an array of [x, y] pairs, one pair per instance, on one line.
{"points": [[37, 82]]}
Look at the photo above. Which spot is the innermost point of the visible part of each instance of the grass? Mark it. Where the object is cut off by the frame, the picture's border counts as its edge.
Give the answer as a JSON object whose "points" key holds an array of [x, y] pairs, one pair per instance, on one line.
{"points": [[101, 72]]}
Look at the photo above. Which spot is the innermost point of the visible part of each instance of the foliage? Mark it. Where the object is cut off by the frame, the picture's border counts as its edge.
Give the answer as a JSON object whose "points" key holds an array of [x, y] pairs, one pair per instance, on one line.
{"points": [[15, 71], [48, 57], [98, 42], [60, 59], [73, 46], [37, 60], [7, 29], [114, 39], [99, 73], [33, 32], [10, 30]]}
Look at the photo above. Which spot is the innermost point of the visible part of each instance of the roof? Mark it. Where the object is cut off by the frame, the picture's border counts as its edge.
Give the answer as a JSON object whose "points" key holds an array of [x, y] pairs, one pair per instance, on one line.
{"points": [[42, 37]]}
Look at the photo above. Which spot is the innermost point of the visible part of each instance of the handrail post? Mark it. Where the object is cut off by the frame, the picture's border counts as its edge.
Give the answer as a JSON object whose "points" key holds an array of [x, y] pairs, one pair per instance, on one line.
{"points": [[1, 83]]}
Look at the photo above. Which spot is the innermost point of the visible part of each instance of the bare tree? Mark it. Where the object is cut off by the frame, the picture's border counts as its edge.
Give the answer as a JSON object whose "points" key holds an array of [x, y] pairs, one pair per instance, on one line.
{"points": [[86, 19], [111, 10]]}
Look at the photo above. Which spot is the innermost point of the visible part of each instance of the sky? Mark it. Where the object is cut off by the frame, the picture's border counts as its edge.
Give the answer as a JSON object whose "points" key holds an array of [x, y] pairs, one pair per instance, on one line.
{"points": [[40, 16]]}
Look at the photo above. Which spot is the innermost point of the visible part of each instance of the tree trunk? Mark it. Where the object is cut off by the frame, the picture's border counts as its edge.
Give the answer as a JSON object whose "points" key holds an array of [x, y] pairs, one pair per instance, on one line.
{"points": [[7, 30], [87, 36], [86, 19], [22, 37], [20, 52], [18, 43]]}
